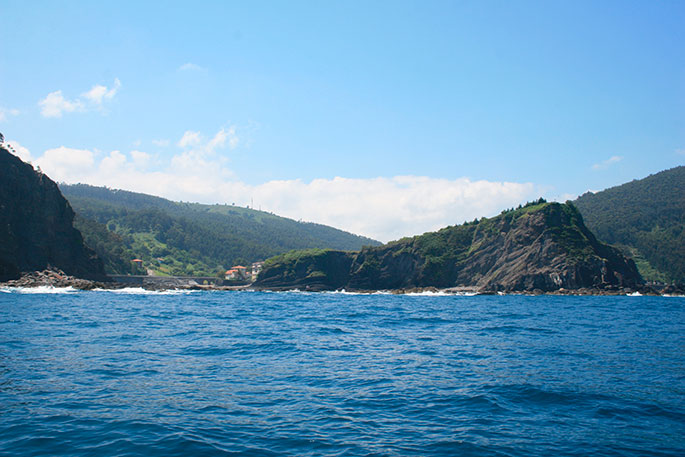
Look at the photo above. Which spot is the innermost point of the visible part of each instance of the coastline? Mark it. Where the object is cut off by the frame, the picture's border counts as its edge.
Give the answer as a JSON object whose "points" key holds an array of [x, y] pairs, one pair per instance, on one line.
{"points": [[59, 280]]}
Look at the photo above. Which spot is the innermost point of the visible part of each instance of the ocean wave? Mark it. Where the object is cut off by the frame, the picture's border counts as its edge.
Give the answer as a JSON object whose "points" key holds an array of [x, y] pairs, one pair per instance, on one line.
{"points": [[345, 292], [40, 290], [440, 293], [72, 290], [427, 293], [142, 291]]}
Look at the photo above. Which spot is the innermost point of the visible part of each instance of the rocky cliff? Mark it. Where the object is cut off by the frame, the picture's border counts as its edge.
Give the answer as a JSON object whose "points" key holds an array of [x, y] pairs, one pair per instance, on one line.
{"points": [[540, 247], [36, 225]]}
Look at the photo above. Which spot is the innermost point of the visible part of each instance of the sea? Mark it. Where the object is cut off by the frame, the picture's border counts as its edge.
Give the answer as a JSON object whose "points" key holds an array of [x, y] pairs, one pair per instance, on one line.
{"points": [[138, 373]]}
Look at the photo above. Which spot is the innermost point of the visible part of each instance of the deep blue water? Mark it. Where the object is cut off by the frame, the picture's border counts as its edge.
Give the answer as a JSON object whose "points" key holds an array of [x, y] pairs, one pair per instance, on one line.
{"points": [[271, 374]]}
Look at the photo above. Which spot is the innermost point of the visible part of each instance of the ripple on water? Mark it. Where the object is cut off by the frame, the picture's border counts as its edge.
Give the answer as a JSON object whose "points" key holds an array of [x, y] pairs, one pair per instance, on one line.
{"points": [[301, 374]]}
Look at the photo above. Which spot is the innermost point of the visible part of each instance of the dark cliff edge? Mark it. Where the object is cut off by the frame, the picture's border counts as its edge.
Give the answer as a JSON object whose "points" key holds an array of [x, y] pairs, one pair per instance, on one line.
{"points": [[542, 247], [36, 226]]}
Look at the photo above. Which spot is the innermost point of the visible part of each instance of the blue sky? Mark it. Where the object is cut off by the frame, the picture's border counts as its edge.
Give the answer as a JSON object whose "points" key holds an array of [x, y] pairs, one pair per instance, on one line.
{"points": [[383, 118]]}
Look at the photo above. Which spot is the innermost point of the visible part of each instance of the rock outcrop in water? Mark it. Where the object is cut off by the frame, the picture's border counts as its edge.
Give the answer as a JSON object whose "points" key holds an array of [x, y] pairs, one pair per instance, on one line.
{"points": [[541, 247], [58, 279], [36, 226]]}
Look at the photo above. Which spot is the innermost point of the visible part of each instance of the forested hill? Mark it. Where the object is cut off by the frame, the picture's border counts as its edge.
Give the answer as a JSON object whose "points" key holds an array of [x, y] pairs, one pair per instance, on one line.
{"points": [[646, 218], [189, 238]]}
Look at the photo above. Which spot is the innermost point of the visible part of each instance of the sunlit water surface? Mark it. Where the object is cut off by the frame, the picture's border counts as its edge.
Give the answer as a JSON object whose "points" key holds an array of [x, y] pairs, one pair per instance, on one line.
{"points": [[271, 374]]}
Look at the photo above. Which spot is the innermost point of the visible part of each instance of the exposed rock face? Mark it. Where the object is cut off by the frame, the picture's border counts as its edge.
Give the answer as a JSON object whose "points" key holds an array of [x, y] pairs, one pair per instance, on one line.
{"points": [[315, 269], [544, 247], [36, 226]]}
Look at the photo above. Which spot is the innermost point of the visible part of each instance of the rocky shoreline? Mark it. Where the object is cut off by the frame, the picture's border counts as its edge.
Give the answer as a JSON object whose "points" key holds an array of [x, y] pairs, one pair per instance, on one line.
{"points": [[58, 279], [55, 278], [645, 290]]}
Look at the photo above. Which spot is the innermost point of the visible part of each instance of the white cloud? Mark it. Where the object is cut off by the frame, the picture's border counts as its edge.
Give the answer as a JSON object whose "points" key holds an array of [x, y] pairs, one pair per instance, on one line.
{"points": [[190, 139], [64, 163], [607, 163], [218, 141], [221, 137], [113, 162], [100, 93], [161, 143], [232, 138], [390, 208], [6, 112], [197, 144], [189, 66], [680, 152], [140, 159], [55, 104]]}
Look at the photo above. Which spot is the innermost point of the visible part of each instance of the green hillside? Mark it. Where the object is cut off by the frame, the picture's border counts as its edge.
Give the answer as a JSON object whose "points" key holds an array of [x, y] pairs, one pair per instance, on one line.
{"points": [[174, 238], [645, 218]]}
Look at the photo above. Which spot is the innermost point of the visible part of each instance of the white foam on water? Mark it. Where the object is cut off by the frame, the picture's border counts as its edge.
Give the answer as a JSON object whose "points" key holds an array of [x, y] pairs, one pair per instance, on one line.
{"points": [[41, 290], [344, 292], [141, 291], [441, 293], [292, 291], [634, 294], [429, 293]]}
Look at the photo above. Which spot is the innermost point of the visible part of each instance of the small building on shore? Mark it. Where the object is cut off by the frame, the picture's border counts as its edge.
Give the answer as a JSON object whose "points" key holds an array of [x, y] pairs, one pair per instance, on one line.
{"points": [[237, 273], [231, 274], [256, 268]]}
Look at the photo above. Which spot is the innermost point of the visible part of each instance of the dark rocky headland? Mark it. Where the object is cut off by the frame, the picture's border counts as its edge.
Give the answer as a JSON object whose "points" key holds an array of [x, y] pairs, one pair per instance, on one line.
{"points": [[540, 248], [36, 226]]}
